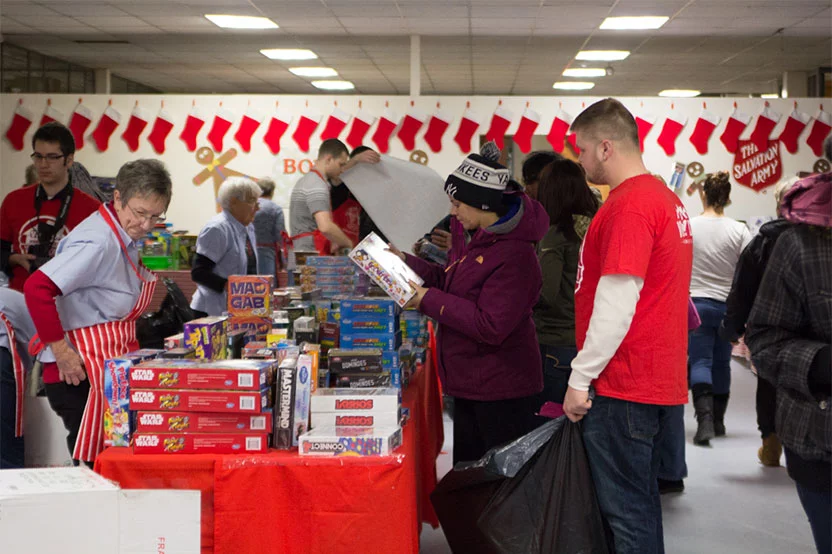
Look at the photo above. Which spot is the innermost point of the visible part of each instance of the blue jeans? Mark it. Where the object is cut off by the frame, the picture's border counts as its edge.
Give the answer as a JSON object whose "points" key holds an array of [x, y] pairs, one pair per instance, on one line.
{"points": [[622, 443], [557, 367], [11, 447], [818, 508], [710, 356], [672, 465]]}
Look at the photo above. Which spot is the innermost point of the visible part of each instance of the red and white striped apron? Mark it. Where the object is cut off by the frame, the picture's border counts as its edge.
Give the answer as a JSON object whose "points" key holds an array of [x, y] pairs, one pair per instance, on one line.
{"points": [[103, 342], [19, 376]]}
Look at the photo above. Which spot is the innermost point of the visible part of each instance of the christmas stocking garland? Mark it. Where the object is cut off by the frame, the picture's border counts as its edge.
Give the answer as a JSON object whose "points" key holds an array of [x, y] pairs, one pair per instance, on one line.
{"points": [[162, 126], [278, 125], [21, 121], [437, 126], [558, 130], [525, 129], [107, 125], [193, 124], [705, 126], [467, 128], [384, 130], [135, 127], [500, 121], [79, 122], [248, 125], [361, 123]]}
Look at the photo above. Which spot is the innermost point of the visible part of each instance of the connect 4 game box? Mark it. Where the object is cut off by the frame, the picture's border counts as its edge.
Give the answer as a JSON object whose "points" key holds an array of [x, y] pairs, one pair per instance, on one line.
{"points": [[350, 441]]}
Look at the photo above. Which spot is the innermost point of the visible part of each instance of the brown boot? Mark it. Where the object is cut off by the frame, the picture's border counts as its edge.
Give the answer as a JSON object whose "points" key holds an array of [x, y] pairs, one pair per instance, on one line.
{"points": [[769, 453]]}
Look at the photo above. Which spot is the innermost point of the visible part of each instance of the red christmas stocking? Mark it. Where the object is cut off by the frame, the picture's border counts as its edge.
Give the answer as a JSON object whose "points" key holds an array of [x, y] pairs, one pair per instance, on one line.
{"points": [[79, 122], [500, 122], [21, 121], [525, 130], [160, 131], [386, 126], [135, 127], [219, 128], [361, 123], [51, 114], [307, 124], [671, 130], [277, 128], [106, 127], [557, 133], [794, 127], [765, 125], [702, 131], [335, 124], [573, 142], [193, 124], [733, 129], [437, 125], [467, 127], [251, 121], [820, 130], [411, 124], [645, 124]]}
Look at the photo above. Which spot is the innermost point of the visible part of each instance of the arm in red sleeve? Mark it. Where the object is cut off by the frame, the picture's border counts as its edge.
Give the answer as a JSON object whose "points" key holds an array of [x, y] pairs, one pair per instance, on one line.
{"points": [[40, 293]]}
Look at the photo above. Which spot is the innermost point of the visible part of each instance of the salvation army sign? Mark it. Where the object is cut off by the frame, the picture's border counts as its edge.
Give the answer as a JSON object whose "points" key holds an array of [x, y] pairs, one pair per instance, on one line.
{"points": [[757, 170]]}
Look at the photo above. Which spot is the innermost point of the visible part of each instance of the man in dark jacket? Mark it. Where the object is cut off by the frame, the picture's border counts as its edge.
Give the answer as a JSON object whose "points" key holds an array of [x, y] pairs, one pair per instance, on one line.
{"points": [[789, 337], [747, 278]]}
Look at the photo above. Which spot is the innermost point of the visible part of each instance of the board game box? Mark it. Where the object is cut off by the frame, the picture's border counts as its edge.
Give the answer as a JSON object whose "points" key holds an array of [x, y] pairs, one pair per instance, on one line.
{"points": [[387, 341], [369, 325], [377, 307], [207, 336], [117, 428], [186, 422], [362, 380], [256, 327], [200, 400], [350, 441], [355, 419], [197, 443], [364, 400], [386, 269], [250, 295], [354, 361], [203, 375]]}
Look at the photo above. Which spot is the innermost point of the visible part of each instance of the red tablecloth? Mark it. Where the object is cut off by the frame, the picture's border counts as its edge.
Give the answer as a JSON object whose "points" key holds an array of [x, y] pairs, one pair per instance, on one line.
{"points": [[282, 502]]}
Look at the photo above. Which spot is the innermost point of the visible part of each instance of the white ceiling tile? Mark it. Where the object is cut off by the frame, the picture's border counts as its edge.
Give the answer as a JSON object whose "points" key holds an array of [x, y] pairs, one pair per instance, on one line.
{"points": [[29, 9]]}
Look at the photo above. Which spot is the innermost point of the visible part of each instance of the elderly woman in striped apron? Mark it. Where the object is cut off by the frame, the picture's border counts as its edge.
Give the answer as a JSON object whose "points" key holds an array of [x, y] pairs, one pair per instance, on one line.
{"points": [[86, 300]]}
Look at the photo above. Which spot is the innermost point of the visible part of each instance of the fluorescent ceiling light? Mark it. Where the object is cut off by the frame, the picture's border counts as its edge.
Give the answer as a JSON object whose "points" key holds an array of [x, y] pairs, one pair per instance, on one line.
{"points": [[770, 95], [679, 93], [573, 85], [288, 54], [241, 22], [333, 85], [632, 23], [602, 55], [314, 71], [585, 72]]}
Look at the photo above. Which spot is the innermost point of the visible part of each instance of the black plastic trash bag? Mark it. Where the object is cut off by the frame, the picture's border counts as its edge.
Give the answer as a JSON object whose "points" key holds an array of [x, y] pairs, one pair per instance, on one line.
{"points": [[532, 496], [153, 328]]}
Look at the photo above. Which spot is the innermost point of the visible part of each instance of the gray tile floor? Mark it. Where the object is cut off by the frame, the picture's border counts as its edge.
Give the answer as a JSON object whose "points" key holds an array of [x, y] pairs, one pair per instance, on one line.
{"points": [[731, 503]]}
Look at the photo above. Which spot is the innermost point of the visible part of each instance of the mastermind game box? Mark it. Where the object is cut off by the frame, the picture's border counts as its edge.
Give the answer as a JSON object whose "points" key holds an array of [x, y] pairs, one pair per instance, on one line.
{"points": [[358, 400], [186, 422], [198, 374], [207, 443], [250, 295], [200, 400], [208, 337], [350, 441]]}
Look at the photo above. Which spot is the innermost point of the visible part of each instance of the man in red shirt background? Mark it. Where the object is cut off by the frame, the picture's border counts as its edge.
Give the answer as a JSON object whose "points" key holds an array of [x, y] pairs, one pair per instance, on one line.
{"points": [[34, 219], [631, 301]]}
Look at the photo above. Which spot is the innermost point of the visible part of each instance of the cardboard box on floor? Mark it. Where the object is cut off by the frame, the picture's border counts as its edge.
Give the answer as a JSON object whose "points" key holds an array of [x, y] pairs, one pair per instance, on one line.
{"points": [[84, 513]]}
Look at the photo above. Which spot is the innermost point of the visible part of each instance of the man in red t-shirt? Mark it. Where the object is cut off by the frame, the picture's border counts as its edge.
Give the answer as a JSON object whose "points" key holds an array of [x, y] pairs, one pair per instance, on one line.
{"points": [[34, 219], [631, 301]]}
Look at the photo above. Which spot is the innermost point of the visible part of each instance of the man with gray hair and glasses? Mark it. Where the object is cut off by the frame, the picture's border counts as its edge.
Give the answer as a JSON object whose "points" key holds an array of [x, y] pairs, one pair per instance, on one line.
{"points": [[86, 300]]}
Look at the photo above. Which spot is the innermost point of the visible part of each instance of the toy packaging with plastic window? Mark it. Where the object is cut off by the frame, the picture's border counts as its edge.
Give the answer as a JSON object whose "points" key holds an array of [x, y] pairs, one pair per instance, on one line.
{"points": [[350, 441], [200, 443], [186, 422]]}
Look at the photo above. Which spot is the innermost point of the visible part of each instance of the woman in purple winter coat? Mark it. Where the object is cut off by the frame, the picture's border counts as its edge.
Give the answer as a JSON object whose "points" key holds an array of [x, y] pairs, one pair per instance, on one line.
{"points": [[489, 359]]}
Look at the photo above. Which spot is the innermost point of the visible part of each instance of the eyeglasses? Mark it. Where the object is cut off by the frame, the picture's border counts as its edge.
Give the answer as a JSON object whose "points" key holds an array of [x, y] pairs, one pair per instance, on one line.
{"points": [[50, 158], [154, 219]]}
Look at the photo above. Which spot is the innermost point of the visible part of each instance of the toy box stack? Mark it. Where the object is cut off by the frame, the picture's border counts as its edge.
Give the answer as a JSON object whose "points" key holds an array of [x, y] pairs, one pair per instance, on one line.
{"points": [[207, 337], [250, 305], [353, 422], [294, 385], [332, 275], [200, 406]]}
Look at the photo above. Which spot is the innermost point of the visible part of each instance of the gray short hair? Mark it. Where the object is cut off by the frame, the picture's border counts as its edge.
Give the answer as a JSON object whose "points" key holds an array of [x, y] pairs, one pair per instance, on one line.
{"points": [[31, 175], [143, 178], [267, 186], [241, 188]]}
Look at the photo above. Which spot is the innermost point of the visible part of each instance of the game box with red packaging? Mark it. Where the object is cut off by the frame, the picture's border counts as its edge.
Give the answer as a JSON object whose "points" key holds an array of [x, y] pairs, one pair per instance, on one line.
{"points": [[203, 374], [200, 400], [187, 422], [200, 443]]}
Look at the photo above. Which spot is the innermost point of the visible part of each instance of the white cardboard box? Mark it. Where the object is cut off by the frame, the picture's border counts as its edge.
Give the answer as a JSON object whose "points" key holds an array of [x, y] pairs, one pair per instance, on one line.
{"points": [[74, 510], [63, 510]]}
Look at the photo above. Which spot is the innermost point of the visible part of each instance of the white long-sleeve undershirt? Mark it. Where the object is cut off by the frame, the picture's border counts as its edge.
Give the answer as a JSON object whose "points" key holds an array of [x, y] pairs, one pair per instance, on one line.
{"points": [[612, 314]]}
